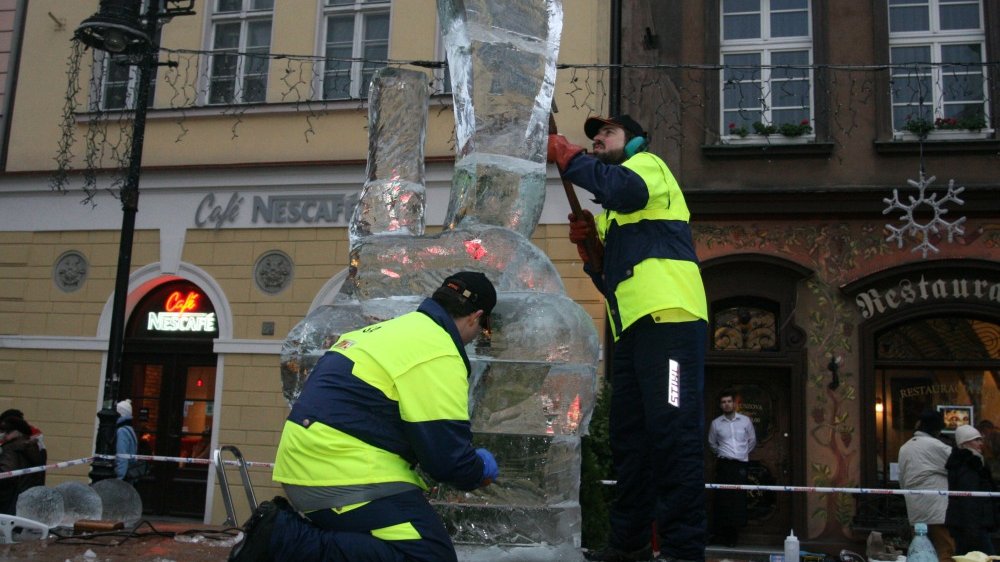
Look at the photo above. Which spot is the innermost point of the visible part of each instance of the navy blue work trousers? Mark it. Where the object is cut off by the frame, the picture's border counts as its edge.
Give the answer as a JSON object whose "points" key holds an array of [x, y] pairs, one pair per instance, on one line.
{"points": [[346, 537], [657, 446]]}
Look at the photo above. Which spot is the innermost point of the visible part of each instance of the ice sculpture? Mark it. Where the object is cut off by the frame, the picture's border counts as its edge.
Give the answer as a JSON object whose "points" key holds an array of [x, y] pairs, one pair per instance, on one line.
{"points": [[42, 504], [119, 501], [534, 374], [80, 502]]}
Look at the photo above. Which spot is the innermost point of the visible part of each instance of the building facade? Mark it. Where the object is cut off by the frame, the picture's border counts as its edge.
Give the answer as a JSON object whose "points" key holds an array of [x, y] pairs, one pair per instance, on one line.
{"points": [[254, 155], [849, 289]]}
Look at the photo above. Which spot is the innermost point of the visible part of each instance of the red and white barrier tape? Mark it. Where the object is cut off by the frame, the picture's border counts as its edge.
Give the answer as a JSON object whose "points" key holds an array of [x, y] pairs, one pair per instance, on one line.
{"points": [[744, 487], [155, 458]]}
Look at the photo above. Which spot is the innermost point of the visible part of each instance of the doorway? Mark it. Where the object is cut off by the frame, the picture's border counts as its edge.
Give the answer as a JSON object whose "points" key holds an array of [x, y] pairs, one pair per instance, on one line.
{"points": [[763, 395], [169, 372]]}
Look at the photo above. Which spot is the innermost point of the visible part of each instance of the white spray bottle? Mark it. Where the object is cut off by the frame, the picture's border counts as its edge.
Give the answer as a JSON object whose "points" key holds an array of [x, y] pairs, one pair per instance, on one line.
{"points": [[791, 547]]}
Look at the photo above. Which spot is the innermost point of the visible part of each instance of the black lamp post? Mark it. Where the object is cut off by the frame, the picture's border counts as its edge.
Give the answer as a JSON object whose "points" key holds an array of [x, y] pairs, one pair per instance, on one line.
{"points": [[120, 28]]}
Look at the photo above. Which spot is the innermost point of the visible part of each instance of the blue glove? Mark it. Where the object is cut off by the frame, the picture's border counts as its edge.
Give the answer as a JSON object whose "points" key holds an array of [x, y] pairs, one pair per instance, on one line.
{"points": [[490, 470]]}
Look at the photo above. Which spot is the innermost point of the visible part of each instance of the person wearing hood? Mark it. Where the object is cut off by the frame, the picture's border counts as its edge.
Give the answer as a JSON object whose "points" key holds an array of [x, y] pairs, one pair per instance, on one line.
{"points": [[125, 438], [970, 519]]}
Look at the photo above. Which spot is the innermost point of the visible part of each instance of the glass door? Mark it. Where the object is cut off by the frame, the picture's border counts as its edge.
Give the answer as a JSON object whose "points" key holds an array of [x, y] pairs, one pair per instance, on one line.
{"points": [[173, 408]]}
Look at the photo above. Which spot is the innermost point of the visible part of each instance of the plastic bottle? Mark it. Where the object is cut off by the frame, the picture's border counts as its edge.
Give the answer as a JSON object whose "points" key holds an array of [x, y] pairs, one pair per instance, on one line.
{"points": [[921, 549], [791, 547]]}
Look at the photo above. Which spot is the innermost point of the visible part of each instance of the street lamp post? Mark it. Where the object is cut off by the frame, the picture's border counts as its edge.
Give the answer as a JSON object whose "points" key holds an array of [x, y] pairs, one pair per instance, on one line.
{"points": [[120, 28]]}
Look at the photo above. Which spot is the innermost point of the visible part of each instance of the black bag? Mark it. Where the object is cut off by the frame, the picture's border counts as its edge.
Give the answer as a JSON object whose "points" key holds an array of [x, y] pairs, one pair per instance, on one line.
{"points": [[138, 471]]}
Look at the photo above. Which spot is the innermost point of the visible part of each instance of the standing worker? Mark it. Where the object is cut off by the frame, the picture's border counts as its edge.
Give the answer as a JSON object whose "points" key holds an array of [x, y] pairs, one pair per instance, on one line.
{"points": [[643, 260], [922, 462], [731, 438], [383, 400]]}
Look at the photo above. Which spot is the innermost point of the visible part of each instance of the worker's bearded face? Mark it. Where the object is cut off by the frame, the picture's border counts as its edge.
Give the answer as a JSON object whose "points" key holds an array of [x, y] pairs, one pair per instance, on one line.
{"points": [[609, 144]]}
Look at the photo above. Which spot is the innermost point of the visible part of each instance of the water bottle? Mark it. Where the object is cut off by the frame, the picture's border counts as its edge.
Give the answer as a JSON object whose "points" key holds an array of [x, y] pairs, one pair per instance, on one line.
{"points": [[921, 549], [791, 547]]}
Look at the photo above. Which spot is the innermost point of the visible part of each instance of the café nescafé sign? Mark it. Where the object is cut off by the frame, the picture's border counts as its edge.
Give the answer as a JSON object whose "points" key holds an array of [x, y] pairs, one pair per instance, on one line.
{"points": [[279, 210], [181, 314]]}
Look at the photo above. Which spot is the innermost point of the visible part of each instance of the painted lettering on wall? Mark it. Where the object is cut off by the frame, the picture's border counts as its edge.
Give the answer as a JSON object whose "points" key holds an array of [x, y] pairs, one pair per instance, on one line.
{"points": [[287, 210], [908, 291], [290, 209]]}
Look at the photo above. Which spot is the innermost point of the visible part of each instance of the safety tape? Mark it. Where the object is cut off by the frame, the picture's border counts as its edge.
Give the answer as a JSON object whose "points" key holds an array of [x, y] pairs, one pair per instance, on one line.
{"points": [[744, 487], [156, 458], [834, 490]]}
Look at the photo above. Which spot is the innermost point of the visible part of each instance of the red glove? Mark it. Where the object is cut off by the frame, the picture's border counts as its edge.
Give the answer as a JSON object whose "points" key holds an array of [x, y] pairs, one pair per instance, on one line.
{"points": [[561, 151], [582, 228]]}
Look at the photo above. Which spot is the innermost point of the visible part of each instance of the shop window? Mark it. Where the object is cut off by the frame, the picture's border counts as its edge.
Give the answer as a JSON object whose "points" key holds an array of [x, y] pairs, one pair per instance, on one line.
{"points": [[745, 327], [951, 365]]}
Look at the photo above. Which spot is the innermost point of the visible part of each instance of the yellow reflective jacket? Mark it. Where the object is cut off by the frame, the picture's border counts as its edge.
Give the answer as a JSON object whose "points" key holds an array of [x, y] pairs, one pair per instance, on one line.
{"points": [[384, 399]]}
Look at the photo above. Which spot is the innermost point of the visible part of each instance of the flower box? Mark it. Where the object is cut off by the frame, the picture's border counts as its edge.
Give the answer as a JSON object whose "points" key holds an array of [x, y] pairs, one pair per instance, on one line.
{"points": [[767, 139], [944, 135]]}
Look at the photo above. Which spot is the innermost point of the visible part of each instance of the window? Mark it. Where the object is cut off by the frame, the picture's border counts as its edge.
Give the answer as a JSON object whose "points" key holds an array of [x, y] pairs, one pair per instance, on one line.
{"points": [[356, 44], [117, 86], [442, 76], [937, 49], [766, 53], [240, 26]]}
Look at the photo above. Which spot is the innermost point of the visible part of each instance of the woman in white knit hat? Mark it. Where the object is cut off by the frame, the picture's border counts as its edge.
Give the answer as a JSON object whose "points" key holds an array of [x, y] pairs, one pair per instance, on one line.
{"points": [[126, 441], [970, 520]]}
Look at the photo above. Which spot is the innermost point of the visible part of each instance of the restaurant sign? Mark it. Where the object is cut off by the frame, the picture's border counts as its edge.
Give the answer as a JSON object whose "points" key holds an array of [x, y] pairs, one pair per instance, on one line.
{"points": [[926, 289]]}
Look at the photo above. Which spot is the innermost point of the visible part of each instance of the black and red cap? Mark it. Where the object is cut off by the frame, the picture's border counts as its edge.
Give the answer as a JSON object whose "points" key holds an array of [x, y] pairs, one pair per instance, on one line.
{"points": [[592, 125], [471, 289]]}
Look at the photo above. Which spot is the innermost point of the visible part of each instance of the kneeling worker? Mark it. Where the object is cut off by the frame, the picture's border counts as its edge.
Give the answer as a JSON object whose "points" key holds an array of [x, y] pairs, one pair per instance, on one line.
{"points": [[382, 400]]}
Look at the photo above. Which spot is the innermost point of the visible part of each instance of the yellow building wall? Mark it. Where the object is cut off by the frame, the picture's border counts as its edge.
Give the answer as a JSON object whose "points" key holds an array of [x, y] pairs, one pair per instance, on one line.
{"points": [[58, 390], [279, 131]]}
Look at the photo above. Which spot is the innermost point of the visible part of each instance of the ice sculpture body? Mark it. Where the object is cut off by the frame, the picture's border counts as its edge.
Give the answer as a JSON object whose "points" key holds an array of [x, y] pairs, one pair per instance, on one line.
{"points": [[533, 379], [393, 197], [501, 56], [80, 502], [43, 504]]}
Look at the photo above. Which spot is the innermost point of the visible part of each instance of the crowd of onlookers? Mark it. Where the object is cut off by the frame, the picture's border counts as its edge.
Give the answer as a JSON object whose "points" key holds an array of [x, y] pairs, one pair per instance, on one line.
{"points": [[21, 446], [956, 524]]}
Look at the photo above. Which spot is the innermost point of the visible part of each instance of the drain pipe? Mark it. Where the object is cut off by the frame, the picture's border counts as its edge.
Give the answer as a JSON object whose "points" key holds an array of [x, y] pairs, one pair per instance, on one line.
{"points": [[615, 78]]}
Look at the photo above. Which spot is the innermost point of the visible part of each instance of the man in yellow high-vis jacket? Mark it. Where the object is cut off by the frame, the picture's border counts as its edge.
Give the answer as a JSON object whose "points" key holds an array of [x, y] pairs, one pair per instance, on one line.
{"points": [[383, 400], [645, 265]]}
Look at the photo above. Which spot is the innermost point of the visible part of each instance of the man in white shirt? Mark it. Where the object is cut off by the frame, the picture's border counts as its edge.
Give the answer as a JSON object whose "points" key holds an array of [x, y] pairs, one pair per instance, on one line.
{"points": [[922, 467], [731, 438]]}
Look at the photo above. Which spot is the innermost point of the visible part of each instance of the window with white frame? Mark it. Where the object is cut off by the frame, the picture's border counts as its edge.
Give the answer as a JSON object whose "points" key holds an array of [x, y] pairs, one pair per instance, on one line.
{"points": [[116, 90], [356, 44], [766, 55], [937, 49], [241, 48]]}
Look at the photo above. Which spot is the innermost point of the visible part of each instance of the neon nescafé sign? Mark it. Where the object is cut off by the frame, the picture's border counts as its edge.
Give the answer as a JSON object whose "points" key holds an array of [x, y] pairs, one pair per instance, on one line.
{"points": [[180, 313]]}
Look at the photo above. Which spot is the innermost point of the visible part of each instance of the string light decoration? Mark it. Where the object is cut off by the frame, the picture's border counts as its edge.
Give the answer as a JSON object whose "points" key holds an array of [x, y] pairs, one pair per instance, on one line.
{"points": [[674, 95]]}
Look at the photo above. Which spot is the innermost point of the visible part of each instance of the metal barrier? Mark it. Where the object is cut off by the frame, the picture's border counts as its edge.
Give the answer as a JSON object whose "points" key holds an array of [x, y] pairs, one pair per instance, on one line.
{"points": [[227, 498]]}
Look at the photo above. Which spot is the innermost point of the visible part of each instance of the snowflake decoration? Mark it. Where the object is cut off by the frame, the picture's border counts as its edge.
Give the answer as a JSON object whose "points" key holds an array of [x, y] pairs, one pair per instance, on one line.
{"points": [[920, 228]]}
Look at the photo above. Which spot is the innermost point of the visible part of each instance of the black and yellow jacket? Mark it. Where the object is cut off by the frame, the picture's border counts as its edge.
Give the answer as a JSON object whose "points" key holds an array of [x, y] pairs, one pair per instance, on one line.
{"points": [[382, 400]]}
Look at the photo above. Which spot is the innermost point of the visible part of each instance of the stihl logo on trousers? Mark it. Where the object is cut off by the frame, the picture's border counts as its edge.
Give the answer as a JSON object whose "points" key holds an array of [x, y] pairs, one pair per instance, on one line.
{"points": [[674, 386]]}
